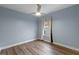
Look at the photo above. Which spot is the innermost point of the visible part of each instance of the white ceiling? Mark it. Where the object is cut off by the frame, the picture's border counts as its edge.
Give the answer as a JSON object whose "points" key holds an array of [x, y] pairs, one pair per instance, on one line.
{"points": [[30, 8]]}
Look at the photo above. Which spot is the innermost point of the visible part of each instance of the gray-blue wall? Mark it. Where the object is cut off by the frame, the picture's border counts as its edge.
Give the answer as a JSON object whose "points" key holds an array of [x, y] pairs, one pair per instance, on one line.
{"points": [[16, 27], [66, 26]]}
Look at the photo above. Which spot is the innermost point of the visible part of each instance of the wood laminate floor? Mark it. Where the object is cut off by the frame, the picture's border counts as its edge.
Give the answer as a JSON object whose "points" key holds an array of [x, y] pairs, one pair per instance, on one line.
{"points": [[36, 47]]}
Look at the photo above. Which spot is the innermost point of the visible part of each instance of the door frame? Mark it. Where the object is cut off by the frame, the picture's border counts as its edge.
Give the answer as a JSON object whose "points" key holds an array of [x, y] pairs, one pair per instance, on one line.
{"points": [[51, 33]]}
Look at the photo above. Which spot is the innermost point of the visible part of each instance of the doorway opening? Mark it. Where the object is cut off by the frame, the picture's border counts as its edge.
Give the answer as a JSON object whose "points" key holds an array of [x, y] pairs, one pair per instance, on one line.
{"points": [[47, 29]]}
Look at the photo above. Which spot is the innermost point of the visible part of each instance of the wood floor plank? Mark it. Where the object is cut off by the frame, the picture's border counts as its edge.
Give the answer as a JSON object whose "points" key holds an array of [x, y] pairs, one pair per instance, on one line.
{"points": [[3, 52], [11, 51], [18, 50], [27, 52], [37, 47]]}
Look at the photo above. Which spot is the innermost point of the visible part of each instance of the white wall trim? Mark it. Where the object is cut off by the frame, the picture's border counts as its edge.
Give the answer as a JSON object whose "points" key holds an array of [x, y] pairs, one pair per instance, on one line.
{"points": [[76, 49], [5, 47]]}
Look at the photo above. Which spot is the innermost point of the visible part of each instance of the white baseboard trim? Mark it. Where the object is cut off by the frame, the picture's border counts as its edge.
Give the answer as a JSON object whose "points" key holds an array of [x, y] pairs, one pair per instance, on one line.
{"points": [[76, 49], [16, 44]]}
